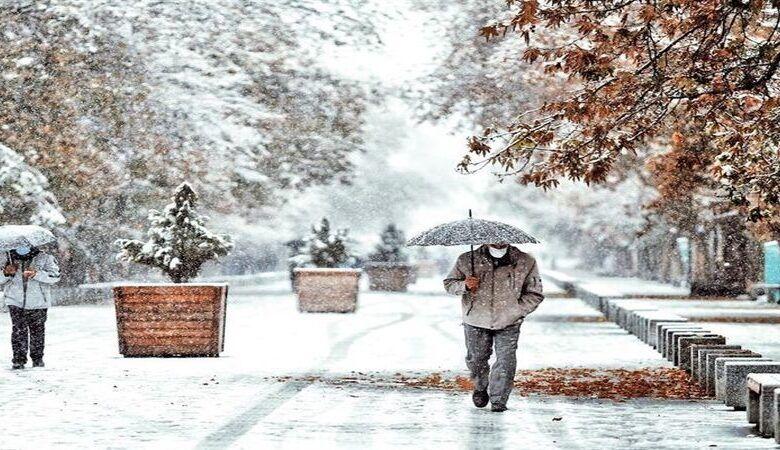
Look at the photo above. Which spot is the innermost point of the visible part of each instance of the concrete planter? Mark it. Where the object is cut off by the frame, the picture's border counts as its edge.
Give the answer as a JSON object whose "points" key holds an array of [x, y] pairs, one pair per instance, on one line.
{"points": [[171, 319], [327, 290], [389, 276]]}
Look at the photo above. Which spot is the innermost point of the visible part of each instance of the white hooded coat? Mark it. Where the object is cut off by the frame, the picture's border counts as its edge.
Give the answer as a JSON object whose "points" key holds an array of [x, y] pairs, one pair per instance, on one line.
{"points": [[38, 293]]}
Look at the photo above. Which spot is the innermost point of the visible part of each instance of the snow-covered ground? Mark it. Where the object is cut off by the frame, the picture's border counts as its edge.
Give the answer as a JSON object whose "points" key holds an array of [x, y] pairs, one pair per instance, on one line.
{"points": [[89, 396], [619, 286]]}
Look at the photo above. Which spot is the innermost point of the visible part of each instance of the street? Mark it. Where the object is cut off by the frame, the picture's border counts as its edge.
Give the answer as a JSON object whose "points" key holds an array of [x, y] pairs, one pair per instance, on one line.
{"points": [[286, 380]]}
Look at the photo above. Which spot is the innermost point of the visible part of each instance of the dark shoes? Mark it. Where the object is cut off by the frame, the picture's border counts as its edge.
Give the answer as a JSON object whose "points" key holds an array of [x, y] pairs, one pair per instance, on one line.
{"points": [[480, 398], [497, 407], [36, 363]]}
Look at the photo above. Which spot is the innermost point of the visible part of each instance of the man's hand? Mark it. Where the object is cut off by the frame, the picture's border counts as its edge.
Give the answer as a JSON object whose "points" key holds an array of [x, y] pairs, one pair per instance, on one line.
{"points": [[29, 273], [9, 270], [472, 283]]}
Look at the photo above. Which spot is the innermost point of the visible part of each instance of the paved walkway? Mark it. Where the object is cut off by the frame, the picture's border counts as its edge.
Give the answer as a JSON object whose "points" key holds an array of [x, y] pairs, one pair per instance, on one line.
{"points": [[89, 396]]}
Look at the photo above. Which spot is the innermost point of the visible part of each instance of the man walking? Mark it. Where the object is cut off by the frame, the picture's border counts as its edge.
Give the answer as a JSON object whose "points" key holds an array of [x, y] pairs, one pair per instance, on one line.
{"points": [[28, 276], [500, 289]]}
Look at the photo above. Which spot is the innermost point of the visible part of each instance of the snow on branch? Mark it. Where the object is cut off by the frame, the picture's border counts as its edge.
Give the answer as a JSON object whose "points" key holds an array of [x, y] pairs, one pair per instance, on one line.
{"points": [[24, 192], [179, 243]]}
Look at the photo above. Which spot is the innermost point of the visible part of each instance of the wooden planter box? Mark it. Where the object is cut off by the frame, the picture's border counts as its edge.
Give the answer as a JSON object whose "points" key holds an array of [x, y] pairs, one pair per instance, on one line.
{"points": [[389, 276], [171, 319], [327, 290]]}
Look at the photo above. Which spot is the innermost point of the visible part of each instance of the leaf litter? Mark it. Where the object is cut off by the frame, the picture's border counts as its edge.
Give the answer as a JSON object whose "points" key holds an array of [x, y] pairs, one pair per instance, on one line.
{"points": [[613, 384]]}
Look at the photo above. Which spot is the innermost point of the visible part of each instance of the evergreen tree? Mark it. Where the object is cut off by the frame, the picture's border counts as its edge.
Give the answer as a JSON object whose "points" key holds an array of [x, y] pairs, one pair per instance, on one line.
{"points": [[391, 247], [178, 243], [324, 248]]}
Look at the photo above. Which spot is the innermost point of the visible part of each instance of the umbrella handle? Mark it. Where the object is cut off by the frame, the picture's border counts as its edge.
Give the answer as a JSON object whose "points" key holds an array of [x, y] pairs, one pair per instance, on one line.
{"points": [[472, 261], [471, 294], [472, 251]]}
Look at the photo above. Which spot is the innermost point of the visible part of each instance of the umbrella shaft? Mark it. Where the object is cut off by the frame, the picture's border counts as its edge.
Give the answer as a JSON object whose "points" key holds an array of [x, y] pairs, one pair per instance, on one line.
{"points": [[472, 261]]}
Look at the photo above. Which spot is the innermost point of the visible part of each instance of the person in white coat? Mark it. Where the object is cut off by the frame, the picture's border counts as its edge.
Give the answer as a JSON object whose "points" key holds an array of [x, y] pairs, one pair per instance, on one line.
{"points": [[28, 274]]}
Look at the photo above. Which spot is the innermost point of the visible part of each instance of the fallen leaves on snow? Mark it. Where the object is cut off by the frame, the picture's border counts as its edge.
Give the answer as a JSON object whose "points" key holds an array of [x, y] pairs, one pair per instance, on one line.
{"points": [[615, 384]]}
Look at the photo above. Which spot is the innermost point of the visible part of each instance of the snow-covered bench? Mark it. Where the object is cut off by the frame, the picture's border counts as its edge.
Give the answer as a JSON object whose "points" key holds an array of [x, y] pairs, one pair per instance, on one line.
{"points": [[760, 397], [733, 386]]}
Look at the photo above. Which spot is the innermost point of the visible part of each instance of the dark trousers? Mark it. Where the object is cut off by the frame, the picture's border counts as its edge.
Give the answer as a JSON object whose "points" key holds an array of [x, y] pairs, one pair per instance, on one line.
{"points": [[28, 327], [498, 380]]}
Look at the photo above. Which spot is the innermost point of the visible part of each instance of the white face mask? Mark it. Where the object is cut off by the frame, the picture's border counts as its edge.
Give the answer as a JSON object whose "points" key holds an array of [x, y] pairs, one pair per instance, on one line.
{"points": [[497, 252]]}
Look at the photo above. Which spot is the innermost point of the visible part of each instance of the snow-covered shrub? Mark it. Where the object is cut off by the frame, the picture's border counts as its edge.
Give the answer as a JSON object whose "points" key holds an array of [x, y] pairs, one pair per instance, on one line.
{"points": [[391, 247], [178, 243], [323, 248]]}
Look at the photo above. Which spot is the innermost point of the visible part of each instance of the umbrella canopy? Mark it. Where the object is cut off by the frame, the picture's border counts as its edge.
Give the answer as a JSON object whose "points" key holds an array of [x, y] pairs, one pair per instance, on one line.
{"points": [[472, 232], [14, 236]]}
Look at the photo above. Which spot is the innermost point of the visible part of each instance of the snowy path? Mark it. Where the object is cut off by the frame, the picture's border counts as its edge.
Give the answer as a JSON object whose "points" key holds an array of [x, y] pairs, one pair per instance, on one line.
{"points": [[90, 396]]}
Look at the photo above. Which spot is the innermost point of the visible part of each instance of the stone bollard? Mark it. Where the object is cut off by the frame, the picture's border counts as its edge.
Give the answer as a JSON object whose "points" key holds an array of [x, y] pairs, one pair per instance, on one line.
{"points": [[776, 414], [760, 395], [674, 339], [664, 335], [636, 318], [683, 352], [622, 311], [735, 375], [609, 310], [715, 370], [625, 314], [665, 330], [612, 307], [701, 351], [646, 321], [650, 335]]}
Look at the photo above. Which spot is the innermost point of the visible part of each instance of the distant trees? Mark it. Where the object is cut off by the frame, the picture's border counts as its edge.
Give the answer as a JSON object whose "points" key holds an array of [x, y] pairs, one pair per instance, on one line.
{"points": [[116, 104], [673, 100], [689, 85], [76, 108], [24, 192]]}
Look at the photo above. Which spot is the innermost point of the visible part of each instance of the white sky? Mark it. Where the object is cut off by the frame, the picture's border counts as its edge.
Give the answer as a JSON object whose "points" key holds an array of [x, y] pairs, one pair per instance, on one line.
{"points": [[421, 156]]}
